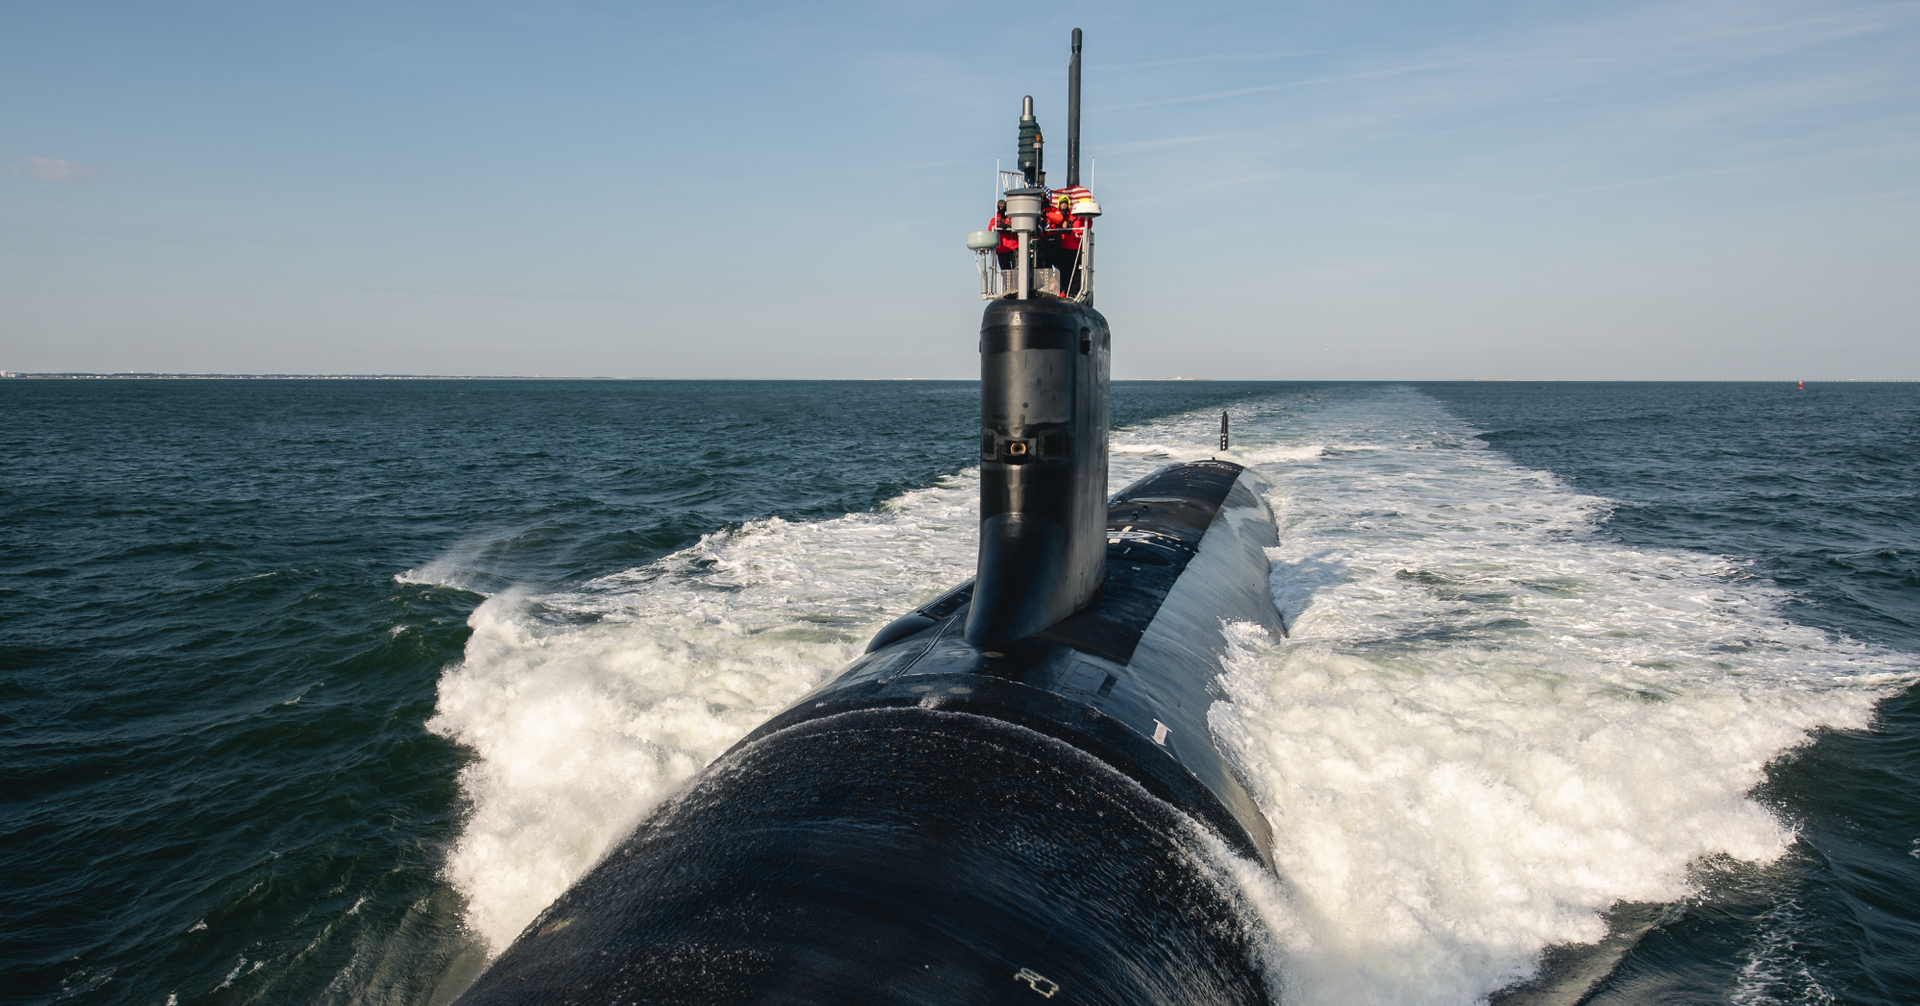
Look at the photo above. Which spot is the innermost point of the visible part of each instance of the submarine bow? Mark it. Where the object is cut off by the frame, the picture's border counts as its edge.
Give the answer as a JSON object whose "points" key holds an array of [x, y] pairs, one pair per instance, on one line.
{"points": [[1003, 799]]}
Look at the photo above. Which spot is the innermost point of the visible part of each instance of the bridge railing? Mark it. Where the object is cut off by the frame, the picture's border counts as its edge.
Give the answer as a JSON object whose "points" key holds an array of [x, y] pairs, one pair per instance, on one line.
{"points": [[996, 282]]}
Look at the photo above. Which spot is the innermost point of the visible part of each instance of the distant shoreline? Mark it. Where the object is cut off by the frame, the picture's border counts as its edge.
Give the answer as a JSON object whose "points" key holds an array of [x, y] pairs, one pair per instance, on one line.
{"points": [[86, 376]]}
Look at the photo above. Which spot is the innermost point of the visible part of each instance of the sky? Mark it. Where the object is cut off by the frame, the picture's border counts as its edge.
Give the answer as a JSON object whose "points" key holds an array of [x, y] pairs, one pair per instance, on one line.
{"points": [[1683, 189]]}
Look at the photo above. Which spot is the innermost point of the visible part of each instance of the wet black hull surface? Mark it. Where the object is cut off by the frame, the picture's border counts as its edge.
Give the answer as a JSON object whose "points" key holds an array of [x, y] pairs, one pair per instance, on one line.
{"points": [[899, 856], [949, 824]]}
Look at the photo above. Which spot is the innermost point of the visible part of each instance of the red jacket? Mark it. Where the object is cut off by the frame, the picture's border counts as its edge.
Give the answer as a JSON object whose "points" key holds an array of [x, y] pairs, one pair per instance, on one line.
{"points": [[1070, 238], [1008, 241], [1067, 228]]}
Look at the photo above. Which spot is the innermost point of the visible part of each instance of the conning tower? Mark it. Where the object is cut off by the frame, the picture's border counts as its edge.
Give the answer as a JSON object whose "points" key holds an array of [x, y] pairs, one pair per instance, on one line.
{"points": [[1044, 373]]}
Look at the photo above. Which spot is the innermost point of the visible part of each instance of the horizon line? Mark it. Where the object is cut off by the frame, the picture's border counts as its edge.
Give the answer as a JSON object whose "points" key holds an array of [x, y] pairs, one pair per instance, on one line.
{"points": [[127, 375]]}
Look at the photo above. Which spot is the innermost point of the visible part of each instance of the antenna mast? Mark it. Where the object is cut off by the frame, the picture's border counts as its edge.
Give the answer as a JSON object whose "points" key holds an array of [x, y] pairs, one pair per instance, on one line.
{"points": [[1073, 113]]}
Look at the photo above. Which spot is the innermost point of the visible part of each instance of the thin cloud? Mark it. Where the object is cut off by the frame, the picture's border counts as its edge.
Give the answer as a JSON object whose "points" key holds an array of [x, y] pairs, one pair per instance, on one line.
{"points": [[1224, 58], [1242, 91], [1136, 146], [52, 169], [1684, 41], [1870, 151]]}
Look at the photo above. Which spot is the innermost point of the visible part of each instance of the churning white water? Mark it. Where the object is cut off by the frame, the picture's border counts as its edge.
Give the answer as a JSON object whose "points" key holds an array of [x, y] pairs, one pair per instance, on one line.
{"points": [[1489, 723]]}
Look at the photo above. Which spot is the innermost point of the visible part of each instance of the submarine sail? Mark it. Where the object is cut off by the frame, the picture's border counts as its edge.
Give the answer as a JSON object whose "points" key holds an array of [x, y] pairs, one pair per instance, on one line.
{"points": [[998, 802]]}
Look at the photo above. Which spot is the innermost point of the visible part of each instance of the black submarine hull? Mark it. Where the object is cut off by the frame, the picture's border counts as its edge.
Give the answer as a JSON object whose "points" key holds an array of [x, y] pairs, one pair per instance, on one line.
{"points": [[951, 823]]}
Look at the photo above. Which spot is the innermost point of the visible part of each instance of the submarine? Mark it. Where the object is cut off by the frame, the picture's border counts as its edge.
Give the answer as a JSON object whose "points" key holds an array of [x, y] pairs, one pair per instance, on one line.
{"points": [[1013, 795]]}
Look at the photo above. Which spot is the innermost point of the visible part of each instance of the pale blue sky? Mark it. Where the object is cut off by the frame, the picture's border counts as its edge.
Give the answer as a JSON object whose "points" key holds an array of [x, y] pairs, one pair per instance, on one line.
{"points": [[1293, 191]]}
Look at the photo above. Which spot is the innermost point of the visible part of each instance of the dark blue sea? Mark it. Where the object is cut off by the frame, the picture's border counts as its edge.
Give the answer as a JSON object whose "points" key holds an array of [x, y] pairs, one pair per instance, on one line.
{"points": [[316, 691]]}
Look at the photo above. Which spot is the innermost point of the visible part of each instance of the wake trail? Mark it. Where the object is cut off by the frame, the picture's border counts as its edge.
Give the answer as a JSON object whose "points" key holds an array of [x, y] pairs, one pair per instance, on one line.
{"points": [[1490, 722]]}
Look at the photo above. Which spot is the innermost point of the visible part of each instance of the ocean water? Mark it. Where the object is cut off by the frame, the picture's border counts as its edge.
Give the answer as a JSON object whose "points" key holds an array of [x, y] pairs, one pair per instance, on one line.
{"points": [[317, 691]]}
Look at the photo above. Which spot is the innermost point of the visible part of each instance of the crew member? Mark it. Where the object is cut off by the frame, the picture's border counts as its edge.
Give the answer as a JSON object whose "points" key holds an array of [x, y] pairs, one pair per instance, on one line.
{"points": [[1009, 241], [1073, 227], [1052, 227]]}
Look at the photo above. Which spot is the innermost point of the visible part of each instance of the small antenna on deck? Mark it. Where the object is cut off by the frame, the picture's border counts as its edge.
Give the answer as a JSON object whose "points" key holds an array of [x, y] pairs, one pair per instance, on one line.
{"points": [[1223, 429]]}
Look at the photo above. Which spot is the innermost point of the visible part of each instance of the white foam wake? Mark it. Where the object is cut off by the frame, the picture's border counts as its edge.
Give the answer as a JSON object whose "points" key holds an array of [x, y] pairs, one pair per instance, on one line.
{"points": [[585, 709], [1489, 723]]}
